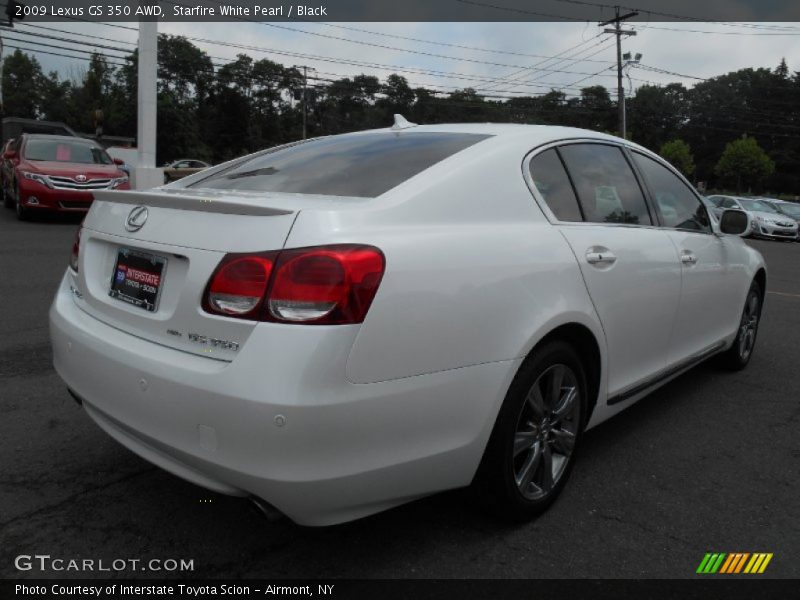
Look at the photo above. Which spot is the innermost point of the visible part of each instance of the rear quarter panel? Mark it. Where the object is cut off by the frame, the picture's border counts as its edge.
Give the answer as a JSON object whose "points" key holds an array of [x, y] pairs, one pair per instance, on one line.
{"points": [[474, 272]]}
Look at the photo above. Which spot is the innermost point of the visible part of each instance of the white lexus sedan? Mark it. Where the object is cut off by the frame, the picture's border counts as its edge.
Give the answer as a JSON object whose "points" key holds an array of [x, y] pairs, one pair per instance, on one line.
{"points": [[338, 326]]}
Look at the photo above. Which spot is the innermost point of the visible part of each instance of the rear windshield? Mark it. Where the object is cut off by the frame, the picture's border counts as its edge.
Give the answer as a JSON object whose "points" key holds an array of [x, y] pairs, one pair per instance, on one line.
{"points": [[66, 151], [363, 165]]}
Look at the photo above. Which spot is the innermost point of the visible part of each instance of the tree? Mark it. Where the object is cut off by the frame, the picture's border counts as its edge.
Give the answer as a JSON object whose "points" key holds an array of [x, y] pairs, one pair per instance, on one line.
{"points": [[22, 86], [744, 162], [399, 95], [678, 153], [595, 110], [782, 70], [656, 114]]}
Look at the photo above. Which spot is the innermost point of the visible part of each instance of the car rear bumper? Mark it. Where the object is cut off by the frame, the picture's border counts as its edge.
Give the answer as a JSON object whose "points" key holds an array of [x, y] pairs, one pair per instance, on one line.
{"points": [[278, 423]]}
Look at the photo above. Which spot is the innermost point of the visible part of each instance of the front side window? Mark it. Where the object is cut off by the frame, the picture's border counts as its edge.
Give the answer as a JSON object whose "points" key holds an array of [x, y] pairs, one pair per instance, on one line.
{"points": [[66, 151], [729, 203], [362, 165], [552, 182], [607, 188], [678, 206]]}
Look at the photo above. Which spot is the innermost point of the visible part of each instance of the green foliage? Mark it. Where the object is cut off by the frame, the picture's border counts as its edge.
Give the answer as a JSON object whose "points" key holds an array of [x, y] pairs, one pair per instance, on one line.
{"points": [[678, 153], [22, 83], [745, 163]]}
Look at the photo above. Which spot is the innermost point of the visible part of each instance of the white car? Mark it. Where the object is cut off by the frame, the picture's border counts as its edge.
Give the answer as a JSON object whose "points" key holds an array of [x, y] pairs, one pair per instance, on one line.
{"points": [[342, 325]]}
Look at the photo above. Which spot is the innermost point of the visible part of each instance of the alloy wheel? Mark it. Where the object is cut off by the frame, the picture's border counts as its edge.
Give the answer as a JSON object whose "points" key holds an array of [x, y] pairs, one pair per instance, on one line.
{"points": [[546, 430], [749, 326]]}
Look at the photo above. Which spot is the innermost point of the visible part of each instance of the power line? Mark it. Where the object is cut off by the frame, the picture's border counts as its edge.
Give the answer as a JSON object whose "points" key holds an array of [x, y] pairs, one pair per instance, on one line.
{"points": [[601, 43], [211, 72], [81, 34], [665, 72], [371, 44], [674, 15], [786, 29], [61, 55], [513, 76]]}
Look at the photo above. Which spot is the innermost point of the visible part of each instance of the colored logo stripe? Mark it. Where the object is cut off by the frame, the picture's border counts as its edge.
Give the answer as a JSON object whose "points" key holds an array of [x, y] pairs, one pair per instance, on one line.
{"points": [[758, 563], [711, 563], [734, 562]]}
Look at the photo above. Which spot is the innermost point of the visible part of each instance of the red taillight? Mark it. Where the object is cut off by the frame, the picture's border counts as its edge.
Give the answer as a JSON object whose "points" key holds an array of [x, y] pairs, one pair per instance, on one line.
{"points": [[76, 250], [238, 285], [324, 285], [334, 284]]}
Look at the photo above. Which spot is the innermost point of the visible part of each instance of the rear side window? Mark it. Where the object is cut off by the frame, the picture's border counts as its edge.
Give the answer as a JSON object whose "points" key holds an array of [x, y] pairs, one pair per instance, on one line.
{"points": [[607, 188], [678, 206], [363, 165], [552, 182]]}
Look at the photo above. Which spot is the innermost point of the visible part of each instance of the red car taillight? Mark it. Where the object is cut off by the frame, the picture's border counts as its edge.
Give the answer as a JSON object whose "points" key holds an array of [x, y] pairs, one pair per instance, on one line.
{"points": [[239, 284], [76, 249], [324, 285]]}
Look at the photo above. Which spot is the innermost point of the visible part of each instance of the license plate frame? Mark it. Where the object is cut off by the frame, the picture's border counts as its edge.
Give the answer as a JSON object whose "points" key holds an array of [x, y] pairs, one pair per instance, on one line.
{"points": [[137, 278]]}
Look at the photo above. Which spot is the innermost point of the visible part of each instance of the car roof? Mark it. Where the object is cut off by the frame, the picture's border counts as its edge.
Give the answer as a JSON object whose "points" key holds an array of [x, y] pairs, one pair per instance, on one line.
{"points": [[505, 130]]}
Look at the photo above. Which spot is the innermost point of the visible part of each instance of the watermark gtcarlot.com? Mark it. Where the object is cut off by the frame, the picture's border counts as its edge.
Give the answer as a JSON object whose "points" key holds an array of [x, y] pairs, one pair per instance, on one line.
{"points": [[46, 563]]}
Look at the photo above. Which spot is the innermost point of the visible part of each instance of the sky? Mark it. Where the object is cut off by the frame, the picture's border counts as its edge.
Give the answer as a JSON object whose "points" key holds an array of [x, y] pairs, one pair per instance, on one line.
{"points": [[498, 59]]}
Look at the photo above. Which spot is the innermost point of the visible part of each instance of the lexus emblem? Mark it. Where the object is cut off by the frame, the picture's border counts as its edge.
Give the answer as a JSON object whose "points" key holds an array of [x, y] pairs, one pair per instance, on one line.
{"points": [[136, 218], [80, 178]]}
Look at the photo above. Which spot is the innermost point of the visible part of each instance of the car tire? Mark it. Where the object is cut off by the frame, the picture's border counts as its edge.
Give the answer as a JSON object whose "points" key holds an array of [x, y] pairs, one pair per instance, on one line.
{"points": [[23, 214], [7, 201], [532, 447], [739, 354]]}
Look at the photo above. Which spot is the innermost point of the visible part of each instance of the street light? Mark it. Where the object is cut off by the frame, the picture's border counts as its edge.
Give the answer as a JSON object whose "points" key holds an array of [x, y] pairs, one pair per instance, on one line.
{"points": [[626, 65]]}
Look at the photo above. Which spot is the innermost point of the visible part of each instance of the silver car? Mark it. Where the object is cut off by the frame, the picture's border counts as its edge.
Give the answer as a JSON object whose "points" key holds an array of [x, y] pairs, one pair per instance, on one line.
{"points": [[789, 209], [766, 221]]}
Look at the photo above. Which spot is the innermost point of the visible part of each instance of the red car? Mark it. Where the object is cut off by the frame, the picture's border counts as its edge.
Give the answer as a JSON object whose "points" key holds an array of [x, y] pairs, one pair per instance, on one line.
{"points": [[56, 173]]}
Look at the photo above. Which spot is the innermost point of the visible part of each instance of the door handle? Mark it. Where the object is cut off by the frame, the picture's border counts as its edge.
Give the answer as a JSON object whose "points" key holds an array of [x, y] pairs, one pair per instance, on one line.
{"points": [[597, 256], [688, 258]]}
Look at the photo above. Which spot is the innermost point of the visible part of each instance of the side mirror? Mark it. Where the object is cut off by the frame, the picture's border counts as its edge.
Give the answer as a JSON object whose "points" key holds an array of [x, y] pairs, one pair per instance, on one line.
{"points": [[118, 161], [9, 154], [734, 222]]}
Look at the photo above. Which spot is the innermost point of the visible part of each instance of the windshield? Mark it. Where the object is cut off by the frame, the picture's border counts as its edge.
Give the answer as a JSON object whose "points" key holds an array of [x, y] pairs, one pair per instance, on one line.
{"points": [[66, 151], [756, 206], [362, 165], [791, 209]]}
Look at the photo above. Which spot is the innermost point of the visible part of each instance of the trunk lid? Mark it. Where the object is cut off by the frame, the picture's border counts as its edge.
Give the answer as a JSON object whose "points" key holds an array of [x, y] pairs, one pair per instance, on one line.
{"points": [[188, 234]]}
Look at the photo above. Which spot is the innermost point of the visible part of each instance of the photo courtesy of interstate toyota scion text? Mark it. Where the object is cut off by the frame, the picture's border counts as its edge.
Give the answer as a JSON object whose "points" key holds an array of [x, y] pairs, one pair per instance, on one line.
{"points": [[341, 325]]}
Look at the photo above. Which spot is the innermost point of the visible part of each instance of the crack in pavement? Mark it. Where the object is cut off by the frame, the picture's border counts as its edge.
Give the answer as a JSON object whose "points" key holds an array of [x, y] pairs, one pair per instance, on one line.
{"points": [[50, 507]]}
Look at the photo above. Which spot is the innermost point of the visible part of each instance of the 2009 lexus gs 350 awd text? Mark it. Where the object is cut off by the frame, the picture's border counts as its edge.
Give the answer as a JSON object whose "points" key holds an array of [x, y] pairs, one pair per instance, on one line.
{"points": [[341, 325]]}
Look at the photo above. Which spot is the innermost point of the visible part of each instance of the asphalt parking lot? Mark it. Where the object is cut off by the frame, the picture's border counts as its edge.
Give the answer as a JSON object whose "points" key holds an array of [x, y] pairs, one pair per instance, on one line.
{"points": [[707, 463]]}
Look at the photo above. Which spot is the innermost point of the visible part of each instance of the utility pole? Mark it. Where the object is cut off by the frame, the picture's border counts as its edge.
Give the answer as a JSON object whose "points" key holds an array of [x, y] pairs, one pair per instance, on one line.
{"points": [[619, 32], [146, 175], [305, 84]]}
